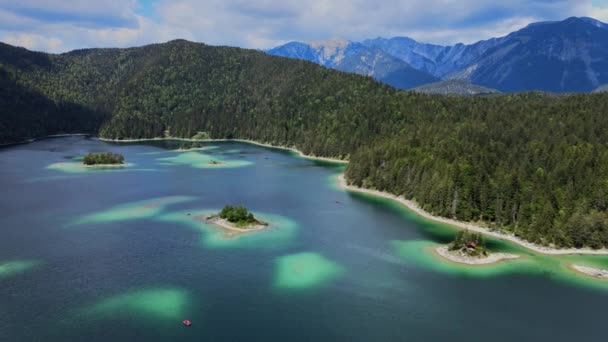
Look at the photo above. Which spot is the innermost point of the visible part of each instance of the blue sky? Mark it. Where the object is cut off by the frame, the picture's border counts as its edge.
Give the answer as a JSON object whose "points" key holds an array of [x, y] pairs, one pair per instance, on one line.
{"points": [[58, 26]]}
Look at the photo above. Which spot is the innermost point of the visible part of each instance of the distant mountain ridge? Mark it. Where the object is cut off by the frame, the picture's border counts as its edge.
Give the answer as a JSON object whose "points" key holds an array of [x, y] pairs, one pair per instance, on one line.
{"points": [[344, 55], [553, 56], [601, 89]]}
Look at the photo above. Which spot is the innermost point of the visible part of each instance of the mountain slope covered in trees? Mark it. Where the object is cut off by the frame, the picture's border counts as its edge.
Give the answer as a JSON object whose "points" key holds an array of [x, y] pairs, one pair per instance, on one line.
{"points": [[529, 163]]}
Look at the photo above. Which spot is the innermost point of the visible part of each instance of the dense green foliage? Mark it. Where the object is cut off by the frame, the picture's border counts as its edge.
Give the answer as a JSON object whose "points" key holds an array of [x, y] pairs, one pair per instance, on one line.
{"points": [[527, 163], [238, 215], [26, 114], [473, 243], [532, 164], [103, 158]]}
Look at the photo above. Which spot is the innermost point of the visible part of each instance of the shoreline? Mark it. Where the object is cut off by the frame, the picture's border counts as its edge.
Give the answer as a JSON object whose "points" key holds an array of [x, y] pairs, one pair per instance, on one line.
{"points": [[247, 141], [596, 273], [493, 258], [23, 142], [413, 206], [224, 224]]}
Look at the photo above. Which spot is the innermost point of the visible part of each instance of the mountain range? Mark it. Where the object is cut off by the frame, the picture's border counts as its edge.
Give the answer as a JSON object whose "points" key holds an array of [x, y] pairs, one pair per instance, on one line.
{"points": [[558, 56], [344, 55]]}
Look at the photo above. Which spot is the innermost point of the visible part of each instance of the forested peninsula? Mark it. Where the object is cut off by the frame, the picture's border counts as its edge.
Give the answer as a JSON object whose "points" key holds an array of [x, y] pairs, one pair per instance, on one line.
{"points": [[533, 164]]}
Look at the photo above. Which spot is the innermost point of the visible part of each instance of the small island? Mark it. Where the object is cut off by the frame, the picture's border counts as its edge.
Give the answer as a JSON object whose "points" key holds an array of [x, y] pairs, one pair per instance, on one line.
{"points": [[470, 248], [103, 159], [215, 163], [236, 218]]}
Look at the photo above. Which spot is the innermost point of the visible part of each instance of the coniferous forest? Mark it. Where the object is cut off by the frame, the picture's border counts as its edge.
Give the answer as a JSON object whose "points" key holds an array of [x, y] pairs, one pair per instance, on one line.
{"points": [[533, 164]]}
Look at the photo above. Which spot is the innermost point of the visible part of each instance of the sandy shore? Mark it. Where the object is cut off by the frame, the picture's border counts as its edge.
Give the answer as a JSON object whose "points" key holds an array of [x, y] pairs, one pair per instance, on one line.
{"points": [[220, 222], [104, 166], [294, 150], [590, 271], [492, 258], [472, 227]]}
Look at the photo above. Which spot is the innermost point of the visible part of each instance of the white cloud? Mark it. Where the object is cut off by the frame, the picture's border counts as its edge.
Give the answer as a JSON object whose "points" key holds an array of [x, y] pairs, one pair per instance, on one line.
{"points": [[82, 12], [35, 42], [440, 21], [62, 25]]}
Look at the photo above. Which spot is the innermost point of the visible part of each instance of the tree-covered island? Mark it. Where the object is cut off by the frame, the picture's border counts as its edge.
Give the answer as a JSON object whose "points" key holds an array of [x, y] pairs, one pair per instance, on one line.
{"points": [[107, 158], [236, 218], [470, 248], [469, 243]]}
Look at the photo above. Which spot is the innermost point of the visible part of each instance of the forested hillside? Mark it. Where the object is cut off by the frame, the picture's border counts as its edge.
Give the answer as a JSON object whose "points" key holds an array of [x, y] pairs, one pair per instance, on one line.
{"points": [[530, 163], [26, 114]]}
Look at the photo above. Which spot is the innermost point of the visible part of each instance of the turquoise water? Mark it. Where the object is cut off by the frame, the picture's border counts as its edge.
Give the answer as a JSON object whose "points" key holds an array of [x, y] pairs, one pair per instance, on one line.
{"points": [[123, 255]]}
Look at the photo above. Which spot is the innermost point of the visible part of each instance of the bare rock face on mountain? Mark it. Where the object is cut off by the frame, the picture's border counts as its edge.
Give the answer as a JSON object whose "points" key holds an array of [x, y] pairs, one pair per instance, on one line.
{"points": [[348, 56], [561, 56]]}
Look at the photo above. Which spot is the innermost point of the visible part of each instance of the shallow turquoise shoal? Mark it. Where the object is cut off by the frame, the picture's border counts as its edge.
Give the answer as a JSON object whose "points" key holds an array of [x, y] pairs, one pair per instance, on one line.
{"points": [[14, 267], [158, 304], [305, 271], [280, 233], [203, 161], [133, 211]]}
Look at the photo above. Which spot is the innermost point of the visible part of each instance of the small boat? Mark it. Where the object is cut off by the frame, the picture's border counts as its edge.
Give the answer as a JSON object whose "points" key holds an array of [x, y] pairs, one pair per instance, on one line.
{"points": [[187, 322]]}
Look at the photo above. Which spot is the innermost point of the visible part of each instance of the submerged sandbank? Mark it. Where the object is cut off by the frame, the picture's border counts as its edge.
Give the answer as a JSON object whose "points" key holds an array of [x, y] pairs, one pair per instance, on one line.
{"points": [[159, 304], [305, 270], [76, 167], [14, 267], [472, 227], [461, 258], [203, 161], [591, 271], [133, 210]]}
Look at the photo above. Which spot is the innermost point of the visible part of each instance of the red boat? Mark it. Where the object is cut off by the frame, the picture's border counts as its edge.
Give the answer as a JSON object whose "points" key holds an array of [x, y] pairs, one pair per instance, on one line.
{"points": [[187, 322]]}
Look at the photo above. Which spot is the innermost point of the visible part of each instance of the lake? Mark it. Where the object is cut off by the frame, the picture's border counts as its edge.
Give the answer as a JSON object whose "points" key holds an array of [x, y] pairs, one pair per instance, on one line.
{"points": [[122, 255]]}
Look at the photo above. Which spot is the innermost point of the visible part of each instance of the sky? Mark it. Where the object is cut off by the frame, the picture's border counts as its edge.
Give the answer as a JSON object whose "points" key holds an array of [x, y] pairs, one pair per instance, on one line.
{"points": [[60, 26]]}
